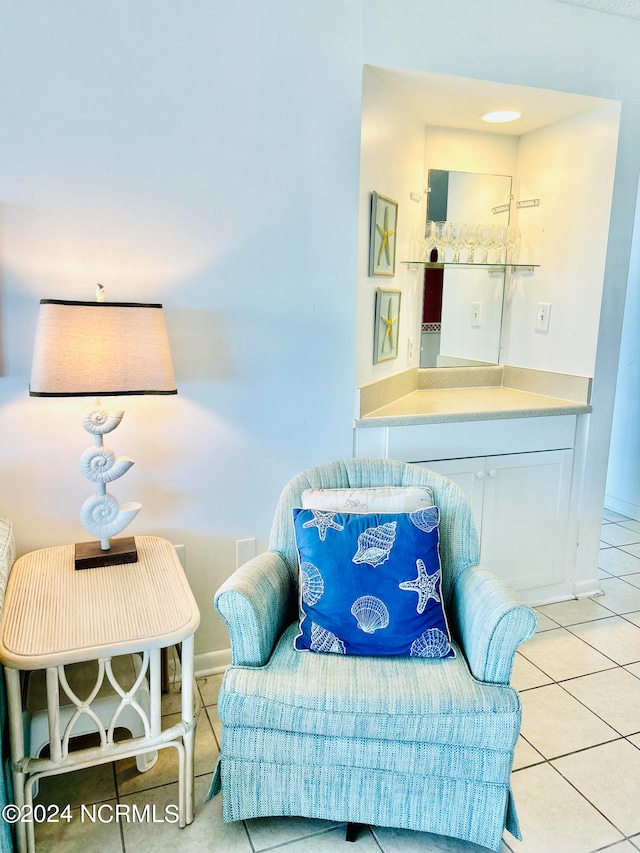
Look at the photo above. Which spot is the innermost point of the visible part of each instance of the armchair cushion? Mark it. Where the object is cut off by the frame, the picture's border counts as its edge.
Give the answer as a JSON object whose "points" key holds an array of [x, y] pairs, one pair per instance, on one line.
{"points": [[370, 584], [408, 700]]}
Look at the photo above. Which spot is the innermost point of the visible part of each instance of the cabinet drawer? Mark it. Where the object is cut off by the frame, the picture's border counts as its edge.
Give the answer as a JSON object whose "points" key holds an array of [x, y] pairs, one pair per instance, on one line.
{"points": [[427, 442]]}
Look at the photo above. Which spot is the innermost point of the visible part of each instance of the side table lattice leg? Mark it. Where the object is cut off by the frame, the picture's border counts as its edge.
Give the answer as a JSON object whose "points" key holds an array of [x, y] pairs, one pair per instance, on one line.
{"points": [[16, 735], [188, 717]]}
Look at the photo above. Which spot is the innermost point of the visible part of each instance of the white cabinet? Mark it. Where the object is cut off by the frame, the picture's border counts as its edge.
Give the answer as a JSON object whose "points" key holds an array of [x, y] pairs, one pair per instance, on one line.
{"points": [[519, 475], [520, 504]]}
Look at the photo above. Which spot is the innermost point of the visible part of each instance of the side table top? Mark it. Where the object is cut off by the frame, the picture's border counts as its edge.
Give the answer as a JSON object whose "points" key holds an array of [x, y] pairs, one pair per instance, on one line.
{"points": [[56, 615]]}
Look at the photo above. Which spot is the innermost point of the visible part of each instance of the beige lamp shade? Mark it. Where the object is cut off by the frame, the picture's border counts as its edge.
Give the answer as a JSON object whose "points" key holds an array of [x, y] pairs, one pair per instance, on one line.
{"points": [[100, 349]]}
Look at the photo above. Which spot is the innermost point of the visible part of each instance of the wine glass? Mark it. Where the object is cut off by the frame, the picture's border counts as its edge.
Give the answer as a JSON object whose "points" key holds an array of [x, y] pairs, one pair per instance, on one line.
{"points": [[442, 240], [498, 240], [512, 245], [485, 237], [429, 243], [456, 239], [470, 240]]}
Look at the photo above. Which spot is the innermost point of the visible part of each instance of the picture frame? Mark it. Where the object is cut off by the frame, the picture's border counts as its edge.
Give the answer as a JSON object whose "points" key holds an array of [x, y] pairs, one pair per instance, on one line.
{"points": [[387, 324], [382, 237]]}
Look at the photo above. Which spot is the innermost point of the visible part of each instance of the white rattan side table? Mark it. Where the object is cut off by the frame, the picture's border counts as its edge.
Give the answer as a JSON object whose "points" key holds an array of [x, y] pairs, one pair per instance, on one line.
{"points": [[55, 616]]}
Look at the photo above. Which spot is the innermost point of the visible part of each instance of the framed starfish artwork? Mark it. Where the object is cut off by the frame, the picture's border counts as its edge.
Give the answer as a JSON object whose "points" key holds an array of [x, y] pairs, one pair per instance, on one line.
{"points": [[382, 241], [385, 336]]}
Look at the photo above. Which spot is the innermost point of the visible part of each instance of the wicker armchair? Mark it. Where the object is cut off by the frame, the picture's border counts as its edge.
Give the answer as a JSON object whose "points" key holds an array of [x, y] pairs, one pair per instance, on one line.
{"points": [[390, 741]]}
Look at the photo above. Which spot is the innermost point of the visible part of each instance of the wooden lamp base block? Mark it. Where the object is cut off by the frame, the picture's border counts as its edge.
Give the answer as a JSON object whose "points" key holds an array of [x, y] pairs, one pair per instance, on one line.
{"points": [[89, 555]]}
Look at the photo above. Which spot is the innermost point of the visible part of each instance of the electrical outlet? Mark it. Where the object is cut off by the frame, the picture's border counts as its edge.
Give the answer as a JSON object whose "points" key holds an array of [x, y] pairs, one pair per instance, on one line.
{"points": [[476, 315], [245, 551], [410, 349], [542, 316]]}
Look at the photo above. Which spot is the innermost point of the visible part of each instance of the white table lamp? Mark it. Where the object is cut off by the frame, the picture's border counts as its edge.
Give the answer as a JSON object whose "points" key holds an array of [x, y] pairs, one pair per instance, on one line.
{"points": [[102, 349]]}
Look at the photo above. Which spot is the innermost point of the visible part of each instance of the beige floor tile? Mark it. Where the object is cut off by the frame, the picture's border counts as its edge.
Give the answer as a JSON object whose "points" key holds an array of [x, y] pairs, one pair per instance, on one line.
{"points": [[620, 596], [635, 740], [172, 701], [544, 623], [615, 637], [574, 611], [617, 561], [83, 833], [91, 785], [554, 817], [555, 723], [405, 841], [525, 755], [327, 842], [634, 669], [634, 550], [561, 655], [634, 580], [633, 617], [165, 770], [614, 534], [209, 687], [267, 832], [609, 777], [525, 675], [206, 834], [614, 695], [612, 515], [622, 847]]}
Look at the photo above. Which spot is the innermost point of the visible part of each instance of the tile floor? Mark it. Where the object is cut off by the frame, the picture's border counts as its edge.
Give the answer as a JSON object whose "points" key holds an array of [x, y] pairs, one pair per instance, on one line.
{"points": [[576, 774]]}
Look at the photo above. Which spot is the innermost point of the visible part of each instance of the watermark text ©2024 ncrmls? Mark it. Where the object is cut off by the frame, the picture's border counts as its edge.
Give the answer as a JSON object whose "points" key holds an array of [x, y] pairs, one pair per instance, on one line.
{"points": [[96, 813]]}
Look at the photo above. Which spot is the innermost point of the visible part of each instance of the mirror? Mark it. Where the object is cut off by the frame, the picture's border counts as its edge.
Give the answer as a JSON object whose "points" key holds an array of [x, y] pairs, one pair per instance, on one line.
{"points": [[462, 305]]}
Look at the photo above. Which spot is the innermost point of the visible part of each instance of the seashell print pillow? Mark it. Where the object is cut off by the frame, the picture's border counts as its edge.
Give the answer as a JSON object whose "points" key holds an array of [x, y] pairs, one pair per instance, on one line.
{"points": [[370, 583]]}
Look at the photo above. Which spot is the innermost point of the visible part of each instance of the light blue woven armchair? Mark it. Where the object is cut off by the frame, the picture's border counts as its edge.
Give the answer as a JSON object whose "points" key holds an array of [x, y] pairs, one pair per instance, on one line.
{"points": [[401, 742]]}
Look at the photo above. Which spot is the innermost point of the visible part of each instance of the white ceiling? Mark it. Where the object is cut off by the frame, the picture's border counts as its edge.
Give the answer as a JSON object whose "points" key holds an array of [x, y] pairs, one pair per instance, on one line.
{"points": [[627, 8], [446, 101]]}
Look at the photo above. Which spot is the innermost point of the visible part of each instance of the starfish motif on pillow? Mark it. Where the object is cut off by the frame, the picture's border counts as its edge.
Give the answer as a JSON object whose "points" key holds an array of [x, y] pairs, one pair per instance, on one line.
{"points": [[323, 521], [424, 585]]}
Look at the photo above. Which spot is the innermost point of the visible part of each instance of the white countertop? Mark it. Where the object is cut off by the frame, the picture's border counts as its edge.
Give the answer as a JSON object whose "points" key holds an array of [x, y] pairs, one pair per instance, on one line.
{"points": [[442, 405]]}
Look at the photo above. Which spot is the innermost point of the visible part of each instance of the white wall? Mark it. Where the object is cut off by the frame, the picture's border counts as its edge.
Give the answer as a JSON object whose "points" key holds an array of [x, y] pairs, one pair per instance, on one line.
{"points": [[569, 166], [459, 150], [204, 155], [391, 163], [623, 478]]}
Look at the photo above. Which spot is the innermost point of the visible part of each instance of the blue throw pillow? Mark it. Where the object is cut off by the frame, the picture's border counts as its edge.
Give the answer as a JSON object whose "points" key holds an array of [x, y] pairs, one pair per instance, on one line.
{"points": [[370, 584]]}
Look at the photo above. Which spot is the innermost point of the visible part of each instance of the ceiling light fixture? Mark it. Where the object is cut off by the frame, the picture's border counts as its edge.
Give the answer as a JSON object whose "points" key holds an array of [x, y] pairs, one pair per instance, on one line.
{"points": [[501, 116]]}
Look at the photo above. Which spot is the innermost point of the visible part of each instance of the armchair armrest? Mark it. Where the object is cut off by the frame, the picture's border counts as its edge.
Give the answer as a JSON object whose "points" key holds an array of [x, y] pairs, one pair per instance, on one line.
{"points": [[491, 622], [255, 603]]}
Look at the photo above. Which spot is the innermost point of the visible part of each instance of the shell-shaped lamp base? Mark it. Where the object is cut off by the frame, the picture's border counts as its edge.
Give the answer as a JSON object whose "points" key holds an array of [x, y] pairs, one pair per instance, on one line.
{"points": [[89, 555]]}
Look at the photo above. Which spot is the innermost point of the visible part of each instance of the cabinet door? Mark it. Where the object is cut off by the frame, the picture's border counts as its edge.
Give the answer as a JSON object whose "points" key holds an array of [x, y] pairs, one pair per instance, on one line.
{"points": [[469, 474], [525, 517]]}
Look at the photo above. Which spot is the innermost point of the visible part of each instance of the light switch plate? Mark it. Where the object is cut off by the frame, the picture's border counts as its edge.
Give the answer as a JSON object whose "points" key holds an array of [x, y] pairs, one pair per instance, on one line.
{"points": [[542, 316]]}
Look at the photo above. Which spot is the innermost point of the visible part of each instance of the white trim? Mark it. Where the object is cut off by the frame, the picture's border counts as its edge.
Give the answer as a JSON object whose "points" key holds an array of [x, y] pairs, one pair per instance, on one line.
{"points": [[585, 589], [212, 663], [623, 507]]}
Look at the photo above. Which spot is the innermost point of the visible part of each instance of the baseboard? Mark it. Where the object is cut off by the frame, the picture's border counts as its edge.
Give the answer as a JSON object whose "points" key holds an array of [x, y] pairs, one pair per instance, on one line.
{"points": [[585, 589], [623, 507], [212, 663]]}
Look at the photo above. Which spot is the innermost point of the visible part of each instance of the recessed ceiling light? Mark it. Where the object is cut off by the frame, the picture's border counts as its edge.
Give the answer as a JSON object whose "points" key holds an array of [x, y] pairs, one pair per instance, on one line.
{"points": [[501, 116]]}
